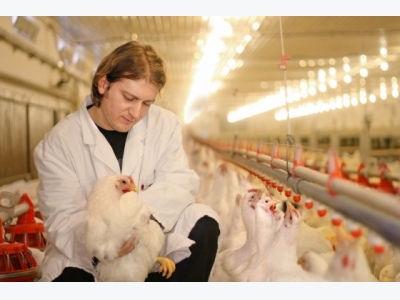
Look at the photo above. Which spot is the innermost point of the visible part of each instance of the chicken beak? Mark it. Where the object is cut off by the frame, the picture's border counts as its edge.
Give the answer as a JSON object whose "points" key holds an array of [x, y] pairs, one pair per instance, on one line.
{"points": [[273, 202], [132, 187], [291, 209], [289, 206]]}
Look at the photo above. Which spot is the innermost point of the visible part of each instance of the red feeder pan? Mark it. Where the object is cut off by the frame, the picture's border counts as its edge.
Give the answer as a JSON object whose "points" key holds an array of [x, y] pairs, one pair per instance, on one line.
{"points": [[27, 231], [17, 263]]}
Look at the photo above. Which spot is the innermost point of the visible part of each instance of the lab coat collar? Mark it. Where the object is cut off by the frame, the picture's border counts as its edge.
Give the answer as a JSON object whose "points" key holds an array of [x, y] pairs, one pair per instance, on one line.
{"points": [[101, 149], [134, 148], [88, 126]]}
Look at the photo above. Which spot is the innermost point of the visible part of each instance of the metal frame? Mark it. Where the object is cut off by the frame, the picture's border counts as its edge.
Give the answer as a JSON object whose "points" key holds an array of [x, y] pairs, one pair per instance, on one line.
{"points": [[378, 211]]}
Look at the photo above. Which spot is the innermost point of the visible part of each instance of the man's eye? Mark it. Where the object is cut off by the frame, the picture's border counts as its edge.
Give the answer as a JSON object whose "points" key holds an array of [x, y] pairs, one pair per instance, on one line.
{"points": [[129, 98]]}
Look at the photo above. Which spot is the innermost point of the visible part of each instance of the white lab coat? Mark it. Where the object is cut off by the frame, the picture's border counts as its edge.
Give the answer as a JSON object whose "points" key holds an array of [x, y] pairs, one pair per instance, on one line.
{"points": [[74, 154]]}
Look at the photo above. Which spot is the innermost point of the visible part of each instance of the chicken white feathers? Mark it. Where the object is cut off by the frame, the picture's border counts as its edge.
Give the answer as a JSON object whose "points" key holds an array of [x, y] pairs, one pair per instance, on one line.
{"points": [[279, 262], [349, 264], [237, 262], [268, 220], [116, 214]]}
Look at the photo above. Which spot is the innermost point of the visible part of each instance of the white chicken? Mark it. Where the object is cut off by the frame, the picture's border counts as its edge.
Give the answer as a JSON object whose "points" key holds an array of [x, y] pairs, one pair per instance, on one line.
{"points": [[236, 234], [206, 174], [237, 261], [280, 260], [268, 220], [234, 259], [115, 215], [312, 239], [391, 272], [349, 264], [314, 262]]}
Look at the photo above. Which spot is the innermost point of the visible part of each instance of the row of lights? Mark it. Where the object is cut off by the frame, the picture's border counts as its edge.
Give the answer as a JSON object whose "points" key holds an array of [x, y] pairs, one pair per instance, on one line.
{"points": [[209, 59], [339, 102], [304, 88], [276, 101]]}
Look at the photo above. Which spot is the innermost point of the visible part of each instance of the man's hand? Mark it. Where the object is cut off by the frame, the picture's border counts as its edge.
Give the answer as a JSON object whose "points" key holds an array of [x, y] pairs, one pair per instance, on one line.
{"points": [[127, 246]]}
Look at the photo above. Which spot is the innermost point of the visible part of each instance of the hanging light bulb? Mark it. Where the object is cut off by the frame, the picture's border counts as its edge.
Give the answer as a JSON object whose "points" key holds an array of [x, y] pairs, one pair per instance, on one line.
{"points": [[384, 66], [364, 72]]}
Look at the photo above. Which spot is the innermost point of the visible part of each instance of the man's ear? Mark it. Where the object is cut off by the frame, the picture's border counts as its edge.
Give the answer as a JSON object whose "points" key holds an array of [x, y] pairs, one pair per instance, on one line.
{"points": [[103, 85]]}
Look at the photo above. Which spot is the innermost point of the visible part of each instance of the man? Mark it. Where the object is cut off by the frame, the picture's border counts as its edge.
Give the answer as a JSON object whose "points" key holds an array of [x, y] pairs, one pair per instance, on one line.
{"points": [[119, 129]]}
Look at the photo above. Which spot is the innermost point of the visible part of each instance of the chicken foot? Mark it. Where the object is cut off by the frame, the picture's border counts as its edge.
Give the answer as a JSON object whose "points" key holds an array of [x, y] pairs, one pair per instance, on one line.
{"points": [[167, 266]]}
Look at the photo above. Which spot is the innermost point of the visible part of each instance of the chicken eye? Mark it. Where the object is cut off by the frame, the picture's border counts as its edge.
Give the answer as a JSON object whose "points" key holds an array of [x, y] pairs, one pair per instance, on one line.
{"points": [[124, 181]]}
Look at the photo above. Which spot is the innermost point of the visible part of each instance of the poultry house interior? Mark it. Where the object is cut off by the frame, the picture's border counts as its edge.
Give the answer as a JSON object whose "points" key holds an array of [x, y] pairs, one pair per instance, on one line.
{"points": [[307, 190]]}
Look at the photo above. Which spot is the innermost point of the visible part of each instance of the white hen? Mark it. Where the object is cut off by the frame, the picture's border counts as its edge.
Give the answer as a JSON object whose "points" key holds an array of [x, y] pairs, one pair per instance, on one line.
{"points": [[232, 261], [116, 214], [236, 262], [280, 260], [268, 220], [236, 232], [349, 264], [391, 272]]}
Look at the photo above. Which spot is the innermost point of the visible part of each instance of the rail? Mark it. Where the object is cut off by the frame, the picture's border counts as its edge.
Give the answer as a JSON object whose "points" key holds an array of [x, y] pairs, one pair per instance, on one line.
{"points": [[12, 209], [377, 210]]}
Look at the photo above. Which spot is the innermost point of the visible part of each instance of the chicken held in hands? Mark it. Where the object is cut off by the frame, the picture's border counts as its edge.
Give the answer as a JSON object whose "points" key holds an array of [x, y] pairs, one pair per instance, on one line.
{"points": [[116, 215]]}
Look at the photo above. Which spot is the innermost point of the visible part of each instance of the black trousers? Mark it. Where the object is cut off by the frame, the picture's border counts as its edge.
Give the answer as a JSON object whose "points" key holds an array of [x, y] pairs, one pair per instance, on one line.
{"points": [[196, 268]]}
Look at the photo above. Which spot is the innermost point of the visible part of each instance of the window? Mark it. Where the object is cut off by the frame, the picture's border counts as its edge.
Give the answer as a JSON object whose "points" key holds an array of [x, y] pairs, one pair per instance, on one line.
{"points": [[26, 26]]}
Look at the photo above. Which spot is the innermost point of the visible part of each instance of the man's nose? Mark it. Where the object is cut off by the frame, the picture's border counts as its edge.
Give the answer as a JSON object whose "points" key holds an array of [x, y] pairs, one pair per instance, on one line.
{"points": [[135, 109]]}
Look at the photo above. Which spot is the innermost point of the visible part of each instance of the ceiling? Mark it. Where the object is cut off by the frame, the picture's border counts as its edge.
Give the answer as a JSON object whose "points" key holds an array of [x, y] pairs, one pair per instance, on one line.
{"points": [[313, 39]]}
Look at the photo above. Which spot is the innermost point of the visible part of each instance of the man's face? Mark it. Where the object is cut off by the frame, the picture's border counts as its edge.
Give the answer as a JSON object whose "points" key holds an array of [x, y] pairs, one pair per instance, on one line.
{"points": [[124, 103]]}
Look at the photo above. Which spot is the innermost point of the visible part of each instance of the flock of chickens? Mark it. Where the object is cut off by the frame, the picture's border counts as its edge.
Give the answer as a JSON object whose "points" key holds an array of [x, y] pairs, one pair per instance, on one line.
{"points": [[266, 236]]}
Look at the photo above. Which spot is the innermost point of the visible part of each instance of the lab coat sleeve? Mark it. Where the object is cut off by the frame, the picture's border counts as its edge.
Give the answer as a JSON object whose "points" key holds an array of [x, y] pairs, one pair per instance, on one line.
{"points": [[175, 185], [60, 199]]}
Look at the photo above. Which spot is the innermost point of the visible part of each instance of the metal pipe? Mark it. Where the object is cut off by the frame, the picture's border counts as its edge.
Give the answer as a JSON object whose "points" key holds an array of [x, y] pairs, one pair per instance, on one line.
{"points": [[40, 55], [375, 198], [32, 86], [7, 214], [386, 223]]}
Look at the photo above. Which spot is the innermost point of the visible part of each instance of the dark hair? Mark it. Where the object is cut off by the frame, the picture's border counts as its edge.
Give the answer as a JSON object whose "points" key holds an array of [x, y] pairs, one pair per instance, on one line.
{"points": [[132, 60]]}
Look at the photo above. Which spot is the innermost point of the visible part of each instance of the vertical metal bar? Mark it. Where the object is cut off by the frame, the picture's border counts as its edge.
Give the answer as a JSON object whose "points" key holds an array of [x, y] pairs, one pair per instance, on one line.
{"points": [[28, 140]]}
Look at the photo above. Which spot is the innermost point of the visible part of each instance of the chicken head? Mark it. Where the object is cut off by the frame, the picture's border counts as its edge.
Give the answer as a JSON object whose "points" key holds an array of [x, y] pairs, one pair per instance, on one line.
{"points": [[125, 184], [292, 215]]}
